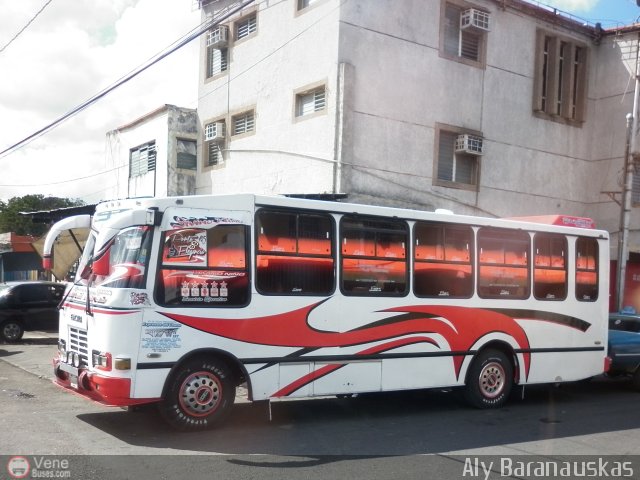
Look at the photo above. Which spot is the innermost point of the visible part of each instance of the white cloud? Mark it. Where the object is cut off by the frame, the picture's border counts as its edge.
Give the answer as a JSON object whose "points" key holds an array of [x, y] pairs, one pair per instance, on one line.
{"points": [[583, 6], [69, 53]]}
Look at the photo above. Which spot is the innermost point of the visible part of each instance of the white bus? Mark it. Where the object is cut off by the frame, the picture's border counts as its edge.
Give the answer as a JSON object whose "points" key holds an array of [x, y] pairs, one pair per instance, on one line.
{"points": [[180, 300]]}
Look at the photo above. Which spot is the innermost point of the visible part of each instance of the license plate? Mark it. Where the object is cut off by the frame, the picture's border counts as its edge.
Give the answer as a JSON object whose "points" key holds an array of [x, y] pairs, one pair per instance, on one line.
{"points": [[73, 379]]}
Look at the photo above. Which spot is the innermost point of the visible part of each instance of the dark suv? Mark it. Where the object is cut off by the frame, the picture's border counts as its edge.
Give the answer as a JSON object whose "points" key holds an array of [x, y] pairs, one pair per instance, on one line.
{"points": [[28, 306]]}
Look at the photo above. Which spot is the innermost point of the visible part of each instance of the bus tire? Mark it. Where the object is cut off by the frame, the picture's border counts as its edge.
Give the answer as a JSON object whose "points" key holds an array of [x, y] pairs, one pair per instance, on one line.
{"points": [[199, 395], [489, 380]]}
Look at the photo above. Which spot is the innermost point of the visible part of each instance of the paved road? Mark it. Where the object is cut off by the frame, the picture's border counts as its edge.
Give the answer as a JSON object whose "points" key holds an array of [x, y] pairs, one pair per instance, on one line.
{"points": [[385, 435]]}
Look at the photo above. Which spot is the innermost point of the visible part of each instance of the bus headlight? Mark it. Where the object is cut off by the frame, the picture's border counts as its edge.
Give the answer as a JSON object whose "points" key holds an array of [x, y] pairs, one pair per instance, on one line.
{"points": [[101, 360]]}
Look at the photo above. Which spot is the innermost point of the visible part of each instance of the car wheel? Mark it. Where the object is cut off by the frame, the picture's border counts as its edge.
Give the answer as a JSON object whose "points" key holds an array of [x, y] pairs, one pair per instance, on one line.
{"points": [[199, 395], [489, 380], [11, 330]]}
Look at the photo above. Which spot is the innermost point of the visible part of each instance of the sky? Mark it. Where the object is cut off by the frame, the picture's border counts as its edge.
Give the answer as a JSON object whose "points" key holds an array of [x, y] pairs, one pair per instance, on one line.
{"points": [[75, 48]]}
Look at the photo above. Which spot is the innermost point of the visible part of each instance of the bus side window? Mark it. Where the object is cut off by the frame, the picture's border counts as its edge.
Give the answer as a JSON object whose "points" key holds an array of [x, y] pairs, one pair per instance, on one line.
{"points": [[374, 260], [204, 268], [294, 253], [442, 266], [549, 271], [503, 270], [586, 269]]}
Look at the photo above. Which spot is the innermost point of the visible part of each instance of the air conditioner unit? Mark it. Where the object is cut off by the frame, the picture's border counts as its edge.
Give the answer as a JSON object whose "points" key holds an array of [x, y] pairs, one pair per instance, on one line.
{"points": [[214, 132], [473, 19], [218, 37], [469, 144]]}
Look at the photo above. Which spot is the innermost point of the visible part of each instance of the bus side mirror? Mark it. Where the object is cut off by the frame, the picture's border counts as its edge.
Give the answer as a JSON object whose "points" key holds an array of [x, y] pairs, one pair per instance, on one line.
{"points": [[101, 265]]}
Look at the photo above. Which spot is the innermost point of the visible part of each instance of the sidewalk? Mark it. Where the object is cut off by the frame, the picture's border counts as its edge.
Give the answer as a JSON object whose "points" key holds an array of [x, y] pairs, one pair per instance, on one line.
{"points": [[33, 353]]}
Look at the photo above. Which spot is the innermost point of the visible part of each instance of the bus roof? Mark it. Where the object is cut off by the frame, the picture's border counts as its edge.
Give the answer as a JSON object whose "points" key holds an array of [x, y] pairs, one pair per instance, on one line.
{"points": [[561, 220]]}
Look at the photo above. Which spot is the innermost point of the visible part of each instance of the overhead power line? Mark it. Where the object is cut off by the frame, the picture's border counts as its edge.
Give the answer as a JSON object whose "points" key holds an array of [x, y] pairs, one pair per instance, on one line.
{"points": [[25, 27], [202, 28]]}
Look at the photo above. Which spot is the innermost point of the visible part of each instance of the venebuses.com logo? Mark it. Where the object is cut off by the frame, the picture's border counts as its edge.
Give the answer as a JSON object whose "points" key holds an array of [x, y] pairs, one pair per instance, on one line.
{"points": [[18, 467], [38, 467]]}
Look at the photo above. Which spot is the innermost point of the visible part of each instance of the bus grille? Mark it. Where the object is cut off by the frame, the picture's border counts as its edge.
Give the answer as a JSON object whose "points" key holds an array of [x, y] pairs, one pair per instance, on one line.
{"points": [[78, 343]]}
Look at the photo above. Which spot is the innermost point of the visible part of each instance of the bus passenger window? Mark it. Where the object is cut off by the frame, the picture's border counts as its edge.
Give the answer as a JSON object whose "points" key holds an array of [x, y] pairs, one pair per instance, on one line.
{"points": [[204, 267], [504, 265], [549, 270], [586, 269], [374, 259], [294, 253], [442, 266]]}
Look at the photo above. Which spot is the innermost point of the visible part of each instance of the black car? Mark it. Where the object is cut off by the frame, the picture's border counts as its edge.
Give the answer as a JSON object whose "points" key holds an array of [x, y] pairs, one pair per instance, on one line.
{"points": [[624, 346], [28, 306]]}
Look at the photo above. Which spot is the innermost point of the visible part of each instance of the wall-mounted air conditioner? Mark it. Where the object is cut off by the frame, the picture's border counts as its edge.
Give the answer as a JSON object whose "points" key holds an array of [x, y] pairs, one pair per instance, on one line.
{"points": [[214, 132], [218, 37], [473, 19], [469, 144]]}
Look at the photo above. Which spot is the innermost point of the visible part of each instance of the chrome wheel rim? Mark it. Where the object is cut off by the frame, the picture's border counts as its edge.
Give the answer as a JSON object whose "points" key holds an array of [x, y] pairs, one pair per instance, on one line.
{"points": [[200, 394], [492, 380]]}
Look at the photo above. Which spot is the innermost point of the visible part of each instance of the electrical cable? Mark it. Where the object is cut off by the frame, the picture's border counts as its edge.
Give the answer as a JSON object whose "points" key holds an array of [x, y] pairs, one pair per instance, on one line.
{"points": [[2, 49], [149, 63]]}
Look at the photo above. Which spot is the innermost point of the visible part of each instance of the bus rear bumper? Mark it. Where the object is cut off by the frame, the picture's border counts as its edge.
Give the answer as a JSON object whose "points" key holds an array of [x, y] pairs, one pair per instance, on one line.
{"points": [[110, 391]]}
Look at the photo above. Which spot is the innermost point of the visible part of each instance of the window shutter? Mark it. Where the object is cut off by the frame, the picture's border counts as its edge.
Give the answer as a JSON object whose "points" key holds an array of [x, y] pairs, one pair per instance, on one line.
{"points": [[247, 27], [243, 123]]}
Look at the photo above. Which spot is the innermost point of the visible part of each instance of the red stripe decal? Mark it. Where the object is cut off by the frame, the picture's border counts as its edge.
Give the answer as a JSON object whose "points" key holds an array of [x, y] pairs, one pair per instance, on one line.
{"points": [[463, 328]]}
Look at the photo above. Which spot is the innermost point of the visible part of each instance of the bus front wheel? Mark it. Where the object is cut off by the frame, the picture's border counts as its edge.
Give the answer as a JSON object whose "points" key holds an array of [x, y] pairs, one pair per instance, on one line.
{"points": [[489, 380], [199, 395]]}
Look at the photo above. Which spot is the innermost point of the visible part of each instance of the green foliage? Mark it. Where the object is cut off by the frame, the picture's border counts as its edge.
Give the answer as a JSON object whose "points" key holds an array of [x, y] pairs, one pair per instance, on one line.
{"points": [[12, 221]]}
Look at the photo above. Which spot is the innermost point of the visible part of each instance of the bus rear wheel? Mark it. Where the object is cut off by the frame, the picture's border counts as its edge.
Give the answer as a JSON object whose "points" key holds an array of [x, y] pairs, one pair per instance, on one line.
{"points": [[489, 380], [199, 395]]}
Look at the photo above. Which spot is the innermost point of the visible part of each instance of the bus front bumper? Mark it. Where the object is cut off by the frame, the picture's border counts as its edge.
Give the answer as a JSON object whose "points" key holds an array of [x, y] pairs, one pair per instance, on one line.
{"points": [[111, 391]]}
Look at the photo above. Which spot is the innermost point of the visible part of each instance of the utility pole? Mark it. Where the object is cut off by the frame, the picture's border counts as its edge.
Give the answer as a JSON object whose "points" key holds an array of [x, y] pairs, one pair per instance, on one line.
{"points": [[625, 214], [631, 155]]}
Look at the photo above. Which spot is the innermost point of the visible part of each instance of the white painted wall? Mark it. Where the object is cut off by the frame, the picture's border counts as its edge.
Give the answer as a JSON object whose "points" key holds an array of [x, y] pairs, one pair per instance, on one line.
{"points": [[382, 113]]}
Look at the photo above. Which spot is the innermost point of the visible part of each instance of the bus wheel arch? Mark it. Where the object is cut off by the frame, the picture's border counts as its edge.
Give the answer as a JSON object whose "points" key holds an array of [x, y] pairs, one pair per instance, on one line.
{"points": [[491, 376], [199, 392]]}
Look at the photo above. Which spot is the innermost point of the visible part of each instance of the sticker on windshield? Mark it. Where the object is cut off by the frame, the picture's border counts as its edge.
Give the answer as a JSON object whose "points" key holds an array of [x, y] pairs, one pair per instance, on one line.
{"points": [[187, 247]]}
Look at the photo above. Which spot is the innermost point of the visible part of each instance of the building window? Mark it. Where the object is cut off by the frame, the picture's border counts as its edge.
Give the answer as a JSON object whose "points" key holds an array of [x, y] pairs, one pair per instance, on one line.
{"points": [[468, 44], [310, 101], [217, 59], [455, 167], [186, 154], [560, 78], [246, 26], [214, 136], [142, 159], [302, 4], [243, 123]]}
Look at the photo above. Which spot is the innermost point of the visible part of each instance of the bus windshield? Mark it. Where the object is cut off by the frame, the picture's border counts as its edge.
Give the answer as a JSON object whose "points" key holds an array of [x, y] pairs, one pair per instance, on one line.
{"points": [[127, 255]]}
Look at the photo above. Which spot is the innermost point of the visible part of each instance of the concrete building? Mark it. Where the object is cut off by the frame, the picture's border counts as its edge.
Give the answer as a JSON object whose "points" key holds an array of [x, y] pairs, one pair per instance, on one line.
{"points": [[522, 112], [486, 107], [155, 155], [489, 107]]}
